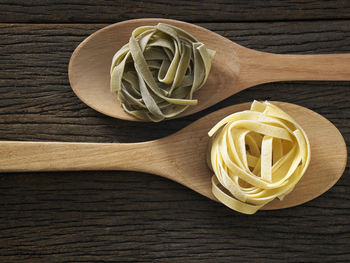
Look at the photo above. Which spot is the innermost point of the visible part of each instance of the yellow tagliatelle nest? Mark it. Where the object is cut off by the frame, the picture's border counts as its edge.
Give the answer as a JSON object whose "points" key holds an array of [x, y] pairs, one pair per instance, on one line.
{"points": [[157, 72], [257, 155]]}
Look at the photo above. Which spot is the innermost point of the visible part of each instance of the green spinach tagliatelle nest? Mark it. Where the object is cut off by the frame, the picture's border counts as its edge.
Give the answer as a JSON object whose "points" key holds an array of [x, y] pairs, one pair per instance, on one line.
{"points": [[157, 72]]}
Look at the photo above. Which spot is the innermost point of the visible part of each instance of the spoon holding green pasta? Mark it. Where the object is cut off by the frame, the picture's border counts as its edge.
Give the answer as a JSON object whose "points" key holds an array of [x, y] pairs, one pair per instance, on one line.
{"points": [[155, 69]]}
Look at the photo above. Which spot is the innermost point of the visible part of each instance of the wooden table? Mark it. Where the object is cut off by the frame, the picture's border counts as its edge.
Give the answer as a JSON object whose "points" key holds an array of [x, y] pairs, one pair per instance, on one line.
{"points": [[133, 217]]}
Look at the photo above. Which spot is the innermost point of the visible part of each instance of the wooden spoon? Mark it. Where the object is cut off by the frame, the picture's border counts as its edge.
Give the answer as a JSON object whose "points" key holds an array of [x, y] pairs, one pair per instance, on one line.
{"points": [[234, 67], [182, 156]]}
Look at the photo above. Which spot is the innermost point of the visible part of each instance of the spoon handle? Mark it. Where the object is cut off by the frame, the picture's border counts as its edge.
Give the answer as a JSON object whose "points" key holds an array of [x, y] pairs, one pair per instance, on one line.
{"points": [[63, 156], [260, 67]]}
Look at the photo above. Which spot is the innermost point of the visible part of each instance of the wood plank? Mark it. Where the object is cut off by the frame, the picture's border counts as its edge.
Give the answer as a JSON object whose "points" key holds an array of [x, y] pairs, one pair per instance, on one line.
{"points": [[37, 102], [107, 11], [126, 217], [134, 217]]}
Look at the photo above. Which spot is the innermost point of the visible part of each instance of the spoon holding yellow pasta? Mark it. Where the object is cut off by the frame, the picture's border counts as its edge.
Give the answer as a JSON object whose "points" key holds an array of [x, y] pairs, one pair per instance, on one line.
{"points": [[182, 157]]}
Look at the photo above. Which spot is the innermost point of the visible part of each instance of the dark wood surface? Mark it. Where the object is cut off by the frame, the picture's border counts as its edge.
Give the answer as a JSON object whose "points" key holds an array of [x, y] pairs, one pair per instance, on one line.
{"points": [[132, 217], [111, 11]]}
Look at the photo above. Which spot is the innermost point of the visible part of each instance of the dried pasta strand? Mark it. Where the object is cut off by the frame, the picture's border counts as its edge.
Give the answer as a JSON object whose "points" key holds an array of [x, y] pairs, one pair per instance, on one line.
{"points": [[170, 65], [256, 156]]}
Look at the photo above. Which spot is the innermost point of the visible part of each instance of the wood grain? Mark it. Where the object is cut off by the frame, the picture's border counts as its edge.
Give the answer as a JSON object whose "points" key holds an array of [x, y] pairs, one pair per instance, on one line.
{"points": [[133, 217], [34, 59], [109, 11]]}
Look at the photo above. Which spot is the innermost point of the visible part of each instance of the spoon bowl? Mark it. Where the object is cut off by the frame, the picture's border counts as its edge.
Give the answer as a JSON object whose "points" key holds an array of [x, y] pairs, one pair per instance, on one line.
{"points": [[234, 67], [181, 157]]}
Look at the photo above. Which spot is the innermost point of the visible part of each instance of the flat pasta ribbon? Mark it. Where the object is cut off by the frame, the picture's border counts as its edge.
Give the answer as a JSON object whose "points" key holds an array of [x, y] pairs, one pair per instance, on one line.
{"points": [[257, 155], [157, 72]]}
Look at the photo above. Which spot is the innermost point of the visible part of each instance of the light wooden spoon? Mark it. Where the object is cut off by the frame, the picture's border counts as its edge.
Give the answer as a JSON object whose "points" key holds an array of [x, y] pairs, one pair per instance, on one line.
{"points": [[234, 67], [182, 156]]}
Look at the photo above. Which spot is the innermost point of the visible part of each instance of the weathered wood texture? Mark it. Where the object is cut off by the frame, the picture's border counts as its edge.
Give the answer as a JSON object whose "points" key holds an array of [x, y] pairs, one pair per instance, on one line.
{"points": [[133, 217], [37, 102], [109, 11]]}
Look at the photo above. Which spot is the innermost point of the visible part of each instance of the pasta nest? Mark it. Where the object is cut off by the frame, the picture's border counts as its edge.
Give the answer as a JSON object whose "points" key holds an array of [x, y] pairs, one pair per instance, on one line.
{"points": [[256, 156], [157, 72]]}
